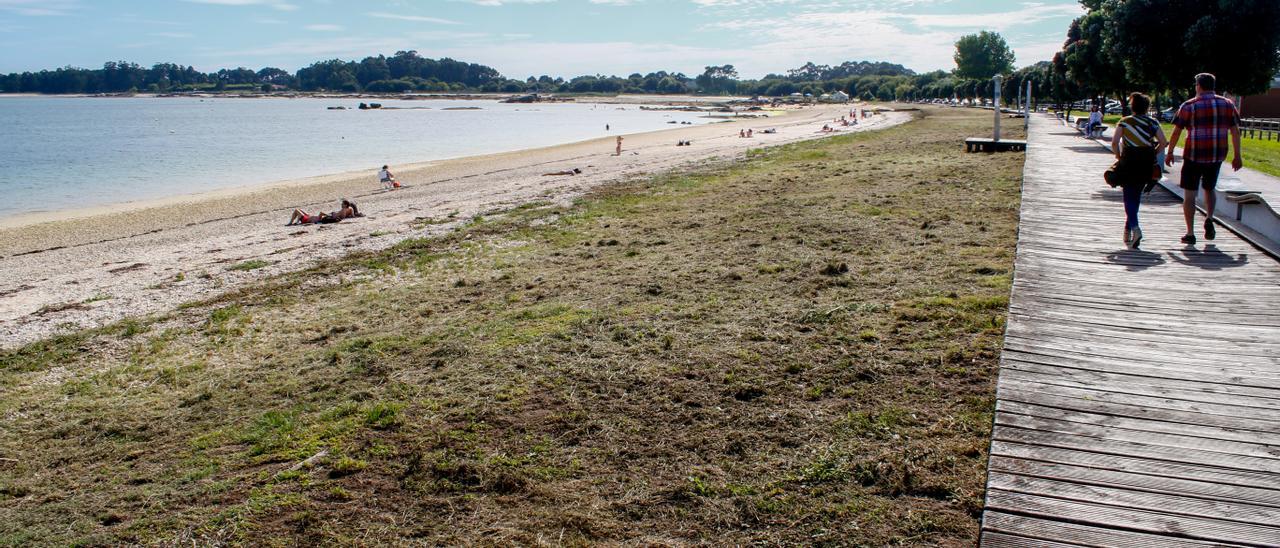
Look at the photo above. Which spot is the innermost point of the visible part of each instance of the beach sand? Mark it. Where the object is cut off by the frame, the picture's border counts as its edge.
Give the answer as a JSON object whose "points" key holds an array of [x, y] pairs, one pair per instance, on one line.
{"points": [[87, 268]]}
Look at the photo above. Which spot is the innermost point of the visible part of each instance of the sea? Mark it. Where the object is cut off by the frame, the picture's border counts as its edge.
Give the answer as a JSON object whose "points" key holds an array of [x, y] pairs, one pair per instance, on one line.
{"points": [[61, 153]]}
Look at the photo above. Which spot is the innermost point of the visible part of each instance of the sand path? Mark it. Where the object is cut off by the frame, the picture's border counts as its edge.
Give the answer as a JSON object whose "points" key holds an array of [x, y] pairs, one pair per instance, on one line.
{"points": [[100, 266]]}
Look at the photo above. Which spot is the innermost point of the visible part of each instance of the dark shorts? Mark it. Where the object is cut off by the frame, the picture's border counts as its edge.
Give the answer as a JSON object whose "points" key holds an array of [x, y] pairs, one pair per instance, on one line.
{"points": [[1196, 175]]}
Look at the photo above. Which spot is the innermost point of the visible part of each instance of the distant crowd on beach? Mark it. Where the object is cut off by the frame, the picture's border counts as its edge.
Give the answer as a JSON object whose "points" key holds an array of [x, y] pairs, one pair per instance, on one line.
{"points": [[348, 209]]}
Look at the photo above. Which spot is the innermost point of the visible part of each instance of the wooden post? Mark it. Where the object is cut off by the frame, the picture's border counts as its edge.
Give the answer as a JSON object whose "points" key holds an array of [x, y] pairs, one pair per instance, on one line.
{"points": [[996, 80]]}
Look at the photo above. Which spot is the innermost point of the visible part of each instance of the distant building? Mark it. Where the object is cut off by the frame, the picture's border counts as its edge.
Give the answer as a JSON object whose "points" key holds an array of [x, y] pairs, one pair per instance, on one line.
{"points": [[1263, 106], [837, 97]]}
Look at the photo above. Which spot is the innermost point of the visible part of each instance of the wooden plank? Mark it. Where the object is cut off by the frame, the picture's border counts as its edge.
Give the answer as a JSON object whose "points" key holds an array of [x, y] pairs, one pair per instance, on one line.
{"points": [[1138, 407], [1158, 387], [1001, 540], [1033, 352], [1262, 469], [1109, 456], [1120, 309], [1156, 423], [1101, 428], [1177, 333], [1131, 519], [1100, 476], [1080, 535], [1058, 348], [1242, 513]]}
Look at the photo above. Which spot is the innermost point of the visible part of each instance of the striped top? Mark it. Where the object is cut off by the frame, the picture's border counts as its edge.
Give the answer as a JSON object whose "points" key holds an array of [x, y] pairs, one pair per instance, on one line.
{"points": [[1139, 131]]}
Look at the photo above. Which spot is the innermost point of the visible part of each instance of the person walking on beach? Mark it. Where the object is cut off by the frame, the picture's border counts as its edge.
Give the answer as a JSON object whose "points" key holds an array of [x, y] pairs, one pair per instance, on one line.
{"points": [[618, 149], [1136, 140], [1207, 118], [387, 179]]}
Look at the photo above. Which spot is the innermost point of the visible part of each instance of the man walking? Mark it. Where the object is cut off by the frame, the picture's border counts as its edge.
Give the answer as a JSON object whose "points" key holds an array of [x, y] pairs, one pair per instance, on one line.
{"points": [[1207, 119]]}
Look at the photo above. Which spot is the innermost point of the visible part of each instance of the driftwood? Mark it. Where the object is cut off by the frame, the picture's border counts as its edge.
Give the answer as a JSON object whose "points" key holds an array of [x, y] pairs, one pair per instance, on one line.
{"points": [[305, 463]]}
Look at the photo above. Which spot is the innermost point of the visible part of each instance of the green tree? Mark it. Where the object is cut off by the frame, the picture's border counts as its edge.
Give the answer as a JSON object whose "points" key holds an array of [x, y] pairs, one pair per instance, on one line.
{"points": [[983, 55], [1163, 43], [718, 79]]}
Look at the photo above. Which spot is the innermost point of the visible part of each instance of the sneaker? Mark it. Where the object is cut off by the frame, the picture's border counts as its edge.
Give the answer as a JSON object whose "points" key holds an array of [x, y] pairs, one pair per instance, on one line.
{"points": [[1137, 238], [1189, 239], [1209, 231]]}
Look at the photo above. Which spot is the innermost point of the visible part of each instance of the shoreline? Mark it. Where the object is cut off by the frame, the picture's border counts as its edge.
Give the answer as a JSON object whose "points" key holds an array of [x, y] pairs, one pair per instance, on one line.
{"points": [[33, 218], [88, 271]]}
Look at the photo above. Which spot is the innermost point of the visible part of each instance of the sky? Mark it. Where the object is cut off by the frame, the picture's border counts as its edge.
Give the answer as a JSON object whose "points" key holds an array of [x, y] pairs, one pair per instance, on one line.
{"points": [[522, 38]]}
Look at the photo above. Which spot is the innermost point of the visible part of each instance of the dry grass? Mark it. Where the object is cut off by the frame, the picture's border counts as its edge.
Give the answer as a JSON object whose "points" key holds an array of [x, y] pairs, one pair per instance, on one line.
{"points": [[799, 348]]}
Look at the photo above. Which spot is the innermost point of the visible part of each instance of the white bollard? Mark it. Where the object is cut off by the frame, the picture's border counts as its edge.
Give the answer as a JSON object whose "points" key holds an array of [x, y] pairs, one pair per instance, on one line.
{"points": [[997, 80]]}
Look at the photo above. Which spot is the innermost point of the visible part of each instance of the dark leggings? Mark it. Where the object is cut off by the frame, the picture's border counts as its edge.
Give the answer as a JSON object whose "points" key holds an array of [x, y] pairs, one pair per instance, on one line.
{"points": [[1132, 198]]}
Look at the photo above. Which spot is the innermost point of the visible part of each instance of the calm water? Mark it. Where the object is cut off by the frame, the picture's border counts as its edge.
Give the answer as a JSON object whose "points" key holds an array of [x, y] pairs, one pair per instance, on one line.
{"points": [[62, 153]]}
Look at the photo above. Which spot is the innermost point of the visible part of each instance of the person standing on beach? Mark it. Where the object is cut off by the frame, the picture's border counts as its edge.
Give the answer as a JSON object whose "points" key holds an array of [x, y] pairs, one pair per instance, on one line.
{"points": [[1208, 119], [618, 150]]}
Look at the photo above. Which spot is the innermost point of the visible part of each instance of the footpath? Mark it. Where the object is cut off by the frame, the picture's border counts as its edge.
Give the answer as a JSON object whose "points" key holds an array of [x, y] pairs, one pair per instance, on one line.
{"points": [[1139, 393]]}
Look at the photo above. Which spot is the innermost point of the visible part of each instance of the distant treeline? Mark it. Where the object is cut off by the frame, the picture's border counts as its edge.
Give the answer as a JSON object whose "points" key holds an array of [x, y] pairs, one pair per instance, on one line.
{"points": [[408, 71], [371, 74]]}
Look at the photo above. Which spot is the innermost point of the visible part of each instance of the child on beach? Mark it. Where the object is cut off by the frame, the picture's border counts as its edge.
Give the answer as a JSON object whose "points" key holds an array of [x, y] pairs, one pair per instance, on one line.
{"points": [[388, 180], [618, 149], [346, 210]]}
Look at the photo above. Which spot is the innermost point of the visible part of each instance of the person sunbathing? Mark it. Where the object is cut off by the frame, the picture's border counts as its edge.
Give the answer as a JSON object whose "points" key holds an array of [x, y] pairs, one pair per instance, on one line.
{"points": [[573, 171], [347, 210]]}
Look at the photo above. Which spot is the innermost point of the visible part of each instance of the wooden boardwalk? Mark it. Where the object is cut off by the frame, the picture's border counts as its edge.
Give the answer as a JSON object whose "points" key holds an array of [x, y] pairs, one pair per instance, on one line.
{"points": [[1139, 392]]}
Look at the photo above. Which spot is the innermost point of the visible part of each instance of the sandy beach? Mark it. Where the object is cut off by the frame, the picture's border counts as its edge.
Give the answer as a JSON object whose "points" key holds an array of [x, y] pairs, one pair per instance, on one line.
{"points": [[87, 268]]}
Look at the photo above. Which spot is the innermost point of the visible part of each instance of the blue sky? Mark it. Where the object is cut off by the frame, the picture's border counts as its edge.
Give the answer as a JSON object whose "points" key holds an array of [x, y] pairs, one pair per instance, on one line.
{"points": [[522, 37]]}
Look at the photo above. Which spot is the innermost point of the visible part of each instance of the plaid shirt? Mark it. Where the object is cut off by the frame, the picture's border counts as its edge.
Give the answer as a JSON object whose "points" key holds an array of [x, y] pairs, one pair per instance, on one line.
{"points": [[1207, 120]]}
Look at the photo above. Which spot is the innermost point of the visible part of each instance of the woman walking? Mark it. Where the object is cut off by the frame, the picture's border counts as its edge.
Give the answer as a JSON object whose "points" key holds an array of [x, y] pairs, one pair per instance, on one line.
{"points": [[1135, 143]]}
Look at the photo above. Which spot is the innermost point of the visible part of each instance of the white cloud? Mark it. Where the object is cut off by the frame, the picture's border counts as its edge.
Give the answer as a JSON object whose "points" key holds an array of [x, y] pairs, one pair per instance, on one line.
{"points": [[919, 41], [176, 35], [414, 18], [504, 2], [324, 28], [39, 7], [281, 5]]}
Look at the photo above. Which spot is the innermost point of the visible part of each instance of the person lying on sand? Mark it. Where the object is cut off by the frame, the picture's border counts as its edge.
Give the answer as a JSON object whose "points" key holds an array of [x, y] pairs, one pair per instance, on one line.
{"points": [[573, 171], [346, 211], [770, 130]]}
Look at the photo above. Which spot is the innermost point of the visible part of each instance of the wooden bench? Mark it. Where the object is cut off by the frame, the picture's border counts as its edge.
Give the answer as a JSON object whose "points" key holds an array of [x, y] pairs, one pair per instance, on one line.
{"points": [[1080, 123], [978, 144]]}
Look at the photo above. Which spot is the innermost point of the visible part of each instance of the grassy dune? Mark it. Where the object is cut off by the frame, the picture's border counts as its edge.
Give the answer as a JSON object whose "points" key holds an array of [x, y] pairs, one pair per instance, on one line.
{"points": [[797, 348]]}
